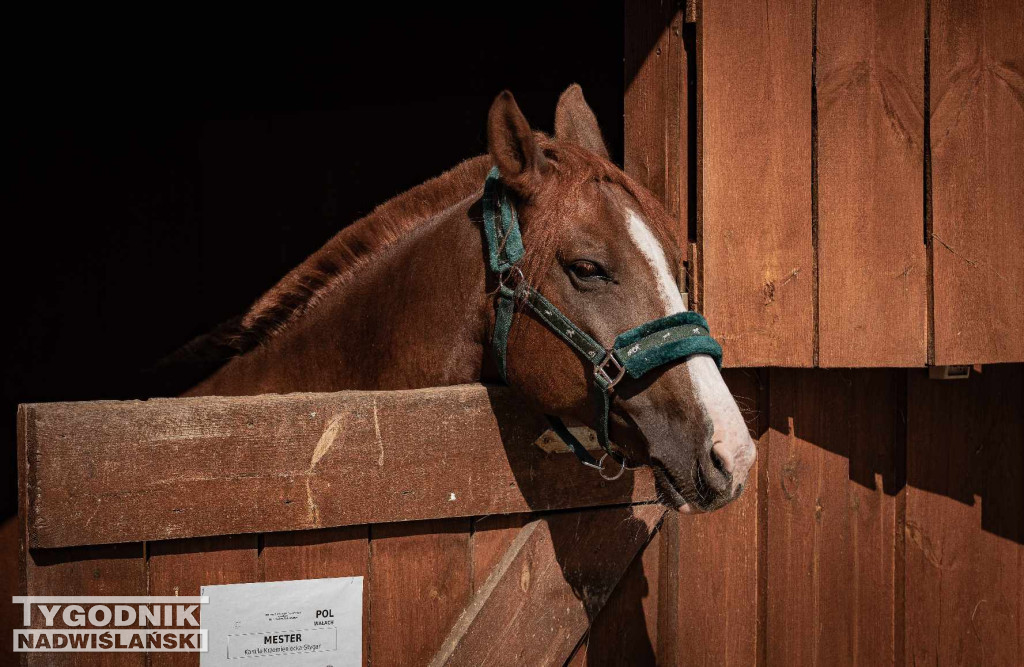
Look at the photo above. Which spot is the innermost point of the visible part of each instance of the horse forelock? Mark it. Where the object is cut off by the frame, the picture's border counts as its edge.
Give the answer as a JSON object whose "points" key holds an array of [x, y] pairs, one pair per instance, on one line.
{"points": [[560, 199]]}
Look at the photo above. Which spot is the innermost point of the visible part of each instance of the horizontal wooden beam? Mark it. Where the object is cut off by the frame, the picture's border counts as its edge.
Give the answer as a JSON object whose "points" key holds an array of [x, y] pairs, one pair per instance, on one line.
{"points": [[110, 471]]}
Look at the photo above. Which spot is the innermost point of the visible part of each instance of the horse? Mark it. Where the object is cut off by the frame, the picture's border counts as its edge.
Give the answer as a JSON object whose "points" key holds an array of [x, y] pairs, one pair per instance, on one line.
{"points": [[403, 299]]}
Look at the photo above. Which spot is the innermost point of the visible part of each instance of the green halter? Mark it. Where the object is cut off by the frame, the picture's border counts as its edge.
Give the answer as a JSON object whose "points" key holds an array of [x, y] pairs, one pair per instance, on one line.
{"points": [[633, 353]]}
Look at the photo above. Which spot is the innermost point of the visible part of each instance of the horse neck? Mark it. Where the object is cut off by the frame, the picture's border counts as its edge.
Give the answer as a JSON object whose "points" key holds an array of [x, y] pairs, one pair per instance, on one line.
{"points": [[415, 315]]}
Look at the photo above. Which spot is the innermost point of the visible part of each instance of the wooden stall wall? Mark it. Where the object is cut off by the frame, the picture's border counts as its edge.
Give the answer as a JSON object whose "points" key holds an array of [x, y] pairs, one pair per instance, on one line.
{"points": [[860, 196], [883, 525], [481, 577], [976, 227], [754, 225]]}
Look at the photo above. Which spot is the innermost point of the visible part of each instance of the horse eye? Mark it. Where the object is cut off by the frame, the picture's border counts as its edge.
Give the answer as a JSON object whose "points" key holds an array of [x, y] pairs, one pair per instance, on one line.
{"points": [[587, 270]]}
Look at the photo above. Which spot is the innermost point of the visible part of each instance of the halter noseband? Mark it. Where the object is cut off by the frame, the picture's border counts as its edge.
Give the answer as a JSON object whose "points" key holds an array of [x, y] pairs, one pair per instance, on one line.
{"points": [[641, 349]]}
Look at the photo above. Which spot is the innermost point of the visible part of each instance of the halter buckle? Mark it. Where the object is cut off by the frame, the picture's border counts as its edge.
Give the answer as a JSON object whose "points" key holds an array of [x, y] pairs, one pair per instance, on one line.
{"points": [[606, 380]]}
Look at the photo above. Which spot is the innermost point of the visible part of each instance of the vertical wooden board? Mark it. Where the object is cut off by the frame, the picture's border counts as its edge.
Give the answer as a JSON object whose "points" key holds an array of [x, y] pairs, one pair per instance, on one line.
{"points": [[117, 569], [665, 630], [10, 583], [318, 554], [832, 516], [965, 520], [420, 581], [754, 210], [977, 142], [625, 631], [718, 562], [181, 567], [655, 103], [872, 264]]}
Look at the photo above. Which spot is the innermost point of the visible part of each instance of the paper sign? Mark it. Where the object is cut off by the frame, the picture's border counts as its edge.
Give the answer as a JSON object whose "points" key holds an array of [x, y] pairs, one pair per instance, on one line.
{"points": [[310, 623]]}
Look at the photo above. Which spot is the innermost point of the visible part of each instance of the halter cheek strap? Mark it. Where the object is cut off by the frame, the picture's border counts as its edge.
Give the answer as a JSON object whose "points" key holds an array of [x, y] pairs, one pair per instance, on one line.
{"points": [[634, 353]]}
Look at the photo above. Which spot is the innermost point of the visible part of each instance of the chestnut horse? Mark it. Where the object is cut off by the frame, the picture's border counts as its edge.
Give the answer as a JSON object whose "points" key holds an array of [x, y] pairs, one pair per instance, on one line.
{"points": [[403, 299]]}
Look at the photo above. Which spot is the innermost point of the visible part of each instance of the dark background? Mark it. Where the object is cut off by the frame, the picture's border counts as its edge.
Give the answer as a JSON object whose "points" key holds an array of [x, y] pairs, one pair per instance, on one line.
{"points": [[162, 173]]}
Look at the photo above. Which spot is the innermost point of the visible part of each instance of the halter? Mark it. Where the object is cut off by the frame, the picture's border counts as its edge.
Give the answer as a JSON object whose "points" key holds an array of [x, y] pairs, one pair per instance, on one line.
{"points": [[635, 352]]}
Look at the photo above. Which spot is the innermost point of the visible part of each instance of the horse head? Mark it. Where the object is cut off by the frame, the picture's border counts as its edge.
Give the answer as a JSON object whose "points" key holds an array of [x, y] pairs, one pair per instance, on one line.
{"points": [[603, 252]]}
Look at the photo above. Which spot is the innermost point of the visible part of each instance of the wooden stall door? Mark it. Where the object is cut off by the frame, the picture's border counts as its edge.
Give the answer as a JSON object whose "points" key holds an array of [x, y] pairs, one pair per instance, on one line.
{"points": [[754, 179], [977, 185], [859, 201]]}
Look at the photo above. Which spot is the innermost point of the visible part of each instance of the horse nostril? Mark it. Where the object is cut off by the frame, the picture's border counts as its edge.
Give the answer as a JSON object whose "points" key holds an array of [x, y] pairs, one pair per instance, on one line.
{"points": [[712, 477], [719, 464]]}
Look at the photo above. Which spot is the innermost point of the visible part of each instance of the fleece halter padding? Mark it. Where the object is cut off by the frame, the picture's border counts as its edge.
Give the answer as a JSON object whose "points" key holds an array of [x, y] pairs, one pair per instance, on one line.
{"points": [[634, 353]]}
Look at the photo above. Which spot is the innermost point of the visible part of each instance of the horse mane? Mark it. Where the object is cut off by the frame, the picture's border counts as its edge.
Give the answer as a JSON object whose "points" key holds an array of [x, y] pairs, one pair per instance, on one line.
{"points": [[347, 250], [303, 287]]}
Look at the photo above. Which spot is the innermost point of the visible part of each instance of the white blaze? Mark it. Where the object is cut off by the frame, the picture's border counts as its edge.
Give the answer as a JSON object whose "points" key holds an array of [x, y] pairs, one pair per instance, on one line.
{"points": [[731, 439], [652, 251]]}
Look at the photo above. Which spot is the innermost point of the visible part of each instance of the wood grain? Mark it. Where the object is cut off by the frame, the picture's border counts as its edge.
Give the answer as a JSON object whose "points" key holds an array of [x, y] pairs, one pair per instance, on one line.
{"points": [[626, 630], [872, 264], [552, 580], [717, 618], [977, 142], [754, 200], [655, 104], [832, 517], [182, 567], [318, 554], [965, 518], [492, 536], [579, 658], [421, 580], [272, 463], [10, 584], [117, 569]]}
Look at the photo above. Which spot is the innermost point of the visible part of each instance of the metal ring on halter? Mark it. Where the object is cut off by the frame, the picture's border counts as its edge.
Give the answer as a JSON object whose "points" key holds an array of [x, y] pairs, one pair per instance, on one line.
{"points": [[616, 475], [508, 273]]}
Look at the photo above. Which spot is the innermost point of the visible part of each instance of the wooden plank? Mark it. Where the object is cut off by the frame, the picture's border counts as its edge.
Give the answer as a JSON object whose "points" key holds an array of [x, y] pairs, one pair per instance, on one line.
{"points": [[665, 590], [625, 631], [718, 590], [420, 582], [977, 142], [10, 582], [181, 567], [965, 518], [552, 580], [872, 264], [318, 554], [492, 535], [754, 192], [118, 569], [217, 466], [579, 658], [655, 104], [832, 517]]}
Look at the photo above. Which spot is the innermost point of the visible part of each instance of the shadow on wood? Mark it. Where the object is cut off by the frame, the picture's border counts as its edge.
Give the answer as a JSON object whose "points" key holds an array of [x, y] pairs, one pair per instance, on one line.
{"points": [[528, 611], [583, 566], [962, 439]]}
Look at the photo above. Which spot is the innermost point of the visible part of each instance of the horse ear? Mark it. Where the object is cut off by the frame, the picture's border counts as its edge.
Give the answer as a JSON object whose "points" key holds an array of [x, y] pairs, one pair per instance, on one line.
{"points": [[575, 122], [512, 145]]}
